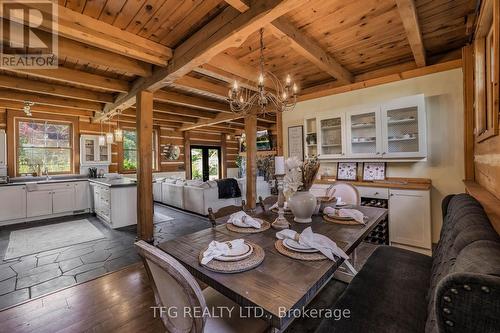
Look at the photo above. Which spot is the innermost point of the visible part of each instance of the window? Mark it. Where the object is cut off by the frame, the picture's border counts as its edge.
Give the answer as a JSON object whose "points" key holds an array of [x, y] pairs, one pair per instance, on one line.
{"points": [[43, 145], [130, 150]]}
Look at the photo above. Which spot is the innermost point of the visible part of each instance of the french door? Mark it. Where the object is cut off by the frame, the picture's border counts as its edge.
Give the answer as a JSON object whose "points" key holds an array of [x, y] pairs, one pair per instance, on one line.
{"points": [[205, 163]]}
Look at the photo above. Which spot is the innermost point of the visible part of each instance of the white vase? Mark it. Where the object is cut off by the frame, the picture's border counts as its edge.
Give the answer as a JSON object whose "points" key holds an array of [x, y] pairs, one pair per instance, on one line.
{"points": [[302, 204]]}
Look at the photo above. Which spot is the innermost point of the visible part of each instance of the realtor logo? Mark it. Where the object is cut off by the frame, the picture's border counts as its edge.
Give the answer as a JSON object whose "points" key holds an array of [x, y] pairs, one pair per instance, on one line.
{"points": [[29, 34]]}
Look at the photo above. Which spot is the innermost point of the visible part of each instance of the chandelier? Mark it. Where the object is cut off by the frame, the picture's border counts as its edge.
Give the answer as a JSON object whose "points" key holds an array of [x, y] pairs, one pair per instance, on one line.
{"points": [[283, 96]]}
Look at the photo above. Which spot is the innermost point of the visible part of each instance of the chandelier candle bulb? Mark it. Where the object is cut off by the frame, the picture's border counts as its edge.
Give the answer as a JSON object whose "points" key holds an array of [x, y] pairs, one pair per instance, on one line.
{"points": [[288, 80], [261, 79], [279, 165], [235, 85]]}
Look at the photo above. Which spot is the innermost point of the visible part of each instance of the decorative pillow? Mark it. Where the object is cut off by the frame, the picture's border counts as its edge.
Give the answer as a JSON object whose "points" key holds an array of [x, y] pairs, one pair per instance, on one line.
{"points": [[180, 182], [194, 182], [204, 185], [170, 181]]}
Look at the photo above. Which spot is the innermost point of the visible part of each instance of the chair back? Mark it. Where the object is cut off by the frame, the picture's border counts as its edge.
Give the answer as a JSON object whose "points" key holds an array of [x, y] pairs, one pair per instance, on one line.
{"points": [[269, 201], [347, 192], [224, 211], [174, 287]]}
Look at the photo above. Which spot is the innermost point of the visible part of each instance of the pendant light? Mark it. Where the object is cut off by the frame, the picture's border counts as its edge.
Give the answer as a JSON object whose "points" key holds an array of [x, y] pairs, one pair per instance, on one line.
{"points": [[109, 135], [118, 130], [102, 138]]}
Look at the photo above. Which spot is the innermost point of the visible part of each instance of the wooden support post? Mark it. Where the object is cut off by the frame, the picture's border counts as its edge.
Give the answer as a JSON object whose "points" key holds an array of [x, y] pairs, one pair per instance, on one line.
{"points": [[145, 166], [251, 172], [223, 151], [279, 134], [468, 72], [187, 154]]}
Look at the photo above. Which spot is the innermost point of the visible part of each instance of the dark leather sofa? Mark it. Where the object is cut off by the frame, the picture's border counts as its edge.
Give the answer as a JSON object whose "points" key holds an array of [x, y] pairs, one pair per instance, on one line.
{"points": [[456, 290]]}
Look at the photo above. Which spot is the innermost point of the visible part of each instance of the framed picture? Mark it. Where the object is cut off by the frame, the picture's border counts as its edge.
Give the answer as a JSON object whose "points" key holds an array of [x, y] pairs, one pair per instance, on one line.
{"points": [[373, 171], [347, 171], [296, 142]]}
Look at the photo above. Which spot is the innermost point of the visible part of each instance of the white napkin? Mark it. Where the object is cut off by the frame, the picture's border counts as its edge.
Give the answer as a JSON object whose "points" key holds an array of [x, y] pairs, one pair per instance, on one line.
{"points": [[275, 206], [242, 219], [344, 212], [316, 241], [216, 249]]}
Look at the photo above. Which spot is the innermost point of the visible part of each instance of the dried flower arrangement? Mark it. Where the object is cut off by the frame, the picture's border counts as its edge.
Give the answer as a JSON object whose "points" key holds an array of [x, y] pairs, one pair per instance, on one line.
{"points": [[300, 176], [310, 169]]}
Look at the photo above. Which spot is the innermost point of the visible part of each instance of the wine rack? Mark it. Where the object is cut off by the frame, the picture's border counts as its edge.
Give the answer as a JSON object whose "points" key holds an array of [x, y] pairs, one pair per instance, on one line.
{"points": [[380, 234]]}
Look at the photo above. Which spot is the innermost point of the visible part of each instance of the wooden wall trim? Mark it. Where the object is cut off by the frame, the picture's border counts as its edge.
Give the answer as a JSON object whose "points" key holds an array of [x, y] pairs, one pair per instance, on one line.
{"points": [[12, 115], [187, 154], [468, 74], [490, 203]]}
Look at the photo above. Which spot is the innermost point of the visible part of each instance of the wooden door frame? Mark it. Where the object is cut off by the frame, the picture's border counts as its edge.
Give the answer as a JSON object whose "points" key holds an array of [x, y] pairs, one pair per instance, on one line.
{"points": [[207, 147]]}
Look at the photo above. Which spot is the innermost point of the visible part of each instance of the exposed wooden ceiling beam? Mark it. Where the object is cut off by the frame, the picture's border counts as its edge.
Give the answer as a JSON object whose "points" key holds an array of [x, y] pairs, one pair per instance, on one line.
{"points": [[221, 118], [163, 116], [182, 110], [83, 53], [221, 75], [14, 95], [191, 101], [88, 30], [72, 76], [408, 13], [15, 105], [229, 29], [52, 89], [316, 92], [131, 119], [305, 46], [202, 87]]}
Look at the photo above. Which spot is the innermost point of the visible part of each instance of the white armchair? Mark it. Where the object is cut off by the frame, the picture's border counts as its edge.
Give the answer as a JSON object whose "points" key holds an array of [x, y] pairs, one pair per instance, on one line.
{"points": [[173, 194], [198, 199]]}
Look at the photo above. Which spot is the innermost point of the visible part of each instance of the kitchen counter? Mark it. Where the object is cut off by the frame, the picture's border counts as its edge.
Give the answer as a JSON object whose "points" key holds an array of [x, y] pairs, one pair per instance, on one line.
{"points": [[422, 184], [121, 182], [43, 180]]}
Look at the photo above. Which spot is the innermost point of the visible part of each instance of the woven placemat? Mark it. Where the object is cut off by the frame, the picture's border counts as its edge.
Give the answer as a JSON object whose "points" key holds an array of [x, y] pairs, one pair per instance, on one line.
{"points": [[263, 227], [329, 219], [298, 255], [254, 260]]}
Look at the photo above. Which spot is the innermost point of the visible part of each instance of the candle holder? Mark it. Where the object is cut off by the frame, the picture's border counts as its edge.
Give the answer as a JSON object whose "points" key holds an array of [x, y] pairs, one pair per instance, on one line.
{"points": [[280, 223]]}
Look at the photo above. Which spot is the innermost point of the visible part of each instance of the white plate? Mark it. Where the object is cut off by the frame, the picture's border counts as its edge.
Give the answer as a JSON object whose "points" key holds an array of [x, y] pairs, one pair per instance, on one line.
{"points": [[341, 204], [295, 246], [340, 218], [237, 254]]}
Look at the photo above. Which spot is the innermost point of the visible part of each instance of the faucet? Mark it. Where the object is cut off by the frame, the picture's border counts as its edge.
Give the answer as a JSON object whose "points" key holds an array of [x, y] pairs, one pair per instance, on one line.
{"points": [[46, 172]]}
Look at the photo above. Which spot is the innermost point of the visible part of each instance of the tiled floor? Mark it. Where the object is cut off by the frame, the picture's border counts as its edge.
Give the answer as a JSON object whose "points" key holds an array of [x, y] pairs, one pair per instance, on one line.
{"points": [[40, 273]]}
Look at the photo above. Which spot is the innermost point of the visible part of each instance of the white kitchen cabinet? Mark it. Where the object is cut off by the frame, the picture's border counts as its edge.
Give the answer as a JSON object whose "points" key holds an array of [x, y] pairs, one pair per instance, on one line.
{"points": [[93, 154], [82, 195], [364, 133], [410, 219], [116, 206], [331, 136], [63, 200], [3, 148], [39, 203], [12, 203], [404, 127], [310, 138]]}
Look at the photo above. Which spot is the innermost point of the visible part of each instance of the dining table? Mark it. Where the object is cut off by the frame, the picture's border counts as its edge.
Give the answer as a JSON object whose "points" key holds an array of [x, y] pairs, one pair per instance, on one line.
{"points": [[280, 286]]}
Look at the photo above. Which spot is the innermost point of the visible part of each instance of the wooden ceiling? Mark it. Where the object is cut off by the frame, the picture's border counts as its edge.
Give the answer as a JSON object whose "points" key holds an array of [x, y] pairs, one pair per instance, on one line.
{"points": [[190, 51]]}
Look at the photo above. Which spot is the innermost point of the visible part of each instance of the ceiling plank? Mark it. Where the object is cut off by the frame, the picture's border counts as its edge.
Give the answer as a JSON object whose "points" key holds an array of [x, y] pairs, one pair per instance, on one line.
{"points": [[202, 87], [53, 89], [316, 92], [15, 105], [182, 110], [408, 13], [72, 76], [229, 29], [14, 95], [191, 101], [305, 46], [88, 30], [163, 116]]}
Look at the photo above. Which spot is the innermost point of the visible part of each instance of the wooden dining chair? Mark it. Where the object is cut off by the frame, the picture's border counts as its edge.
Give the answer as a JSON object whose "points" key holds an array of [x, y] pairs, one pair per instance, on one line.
{"points": [[269, 201], [347, 192], [224, 211], [176, 289]]}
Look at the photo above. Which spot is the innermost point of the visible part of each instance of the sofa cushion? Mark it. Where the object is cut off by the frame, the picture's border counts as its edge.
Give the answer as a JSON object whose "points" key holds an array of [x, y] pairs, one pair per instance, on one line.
{"points": [[194, 182], [387, 295]]}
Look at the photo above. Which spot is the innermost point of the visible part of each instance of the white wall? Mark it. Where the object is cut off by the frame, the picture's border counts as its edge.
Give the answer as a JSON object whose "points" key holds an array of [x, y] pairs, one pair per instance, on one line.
{"points": [[444, 105]]}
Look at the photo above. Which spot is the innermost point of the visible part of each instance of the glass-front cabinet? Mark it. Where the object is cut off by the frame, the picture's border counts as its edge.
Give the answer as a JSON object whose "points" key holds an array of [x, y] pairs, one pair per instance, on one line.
{"points": [[93, 154], [331, 137], [363, 134], [310, 137], [403, 127]]}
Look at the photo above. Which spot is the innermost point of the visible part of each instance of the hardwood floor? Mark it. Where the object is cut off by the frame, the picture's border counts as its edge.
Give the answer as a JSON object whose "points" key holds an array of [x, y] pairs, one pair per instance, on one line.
{"points": [[119, 301]]}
